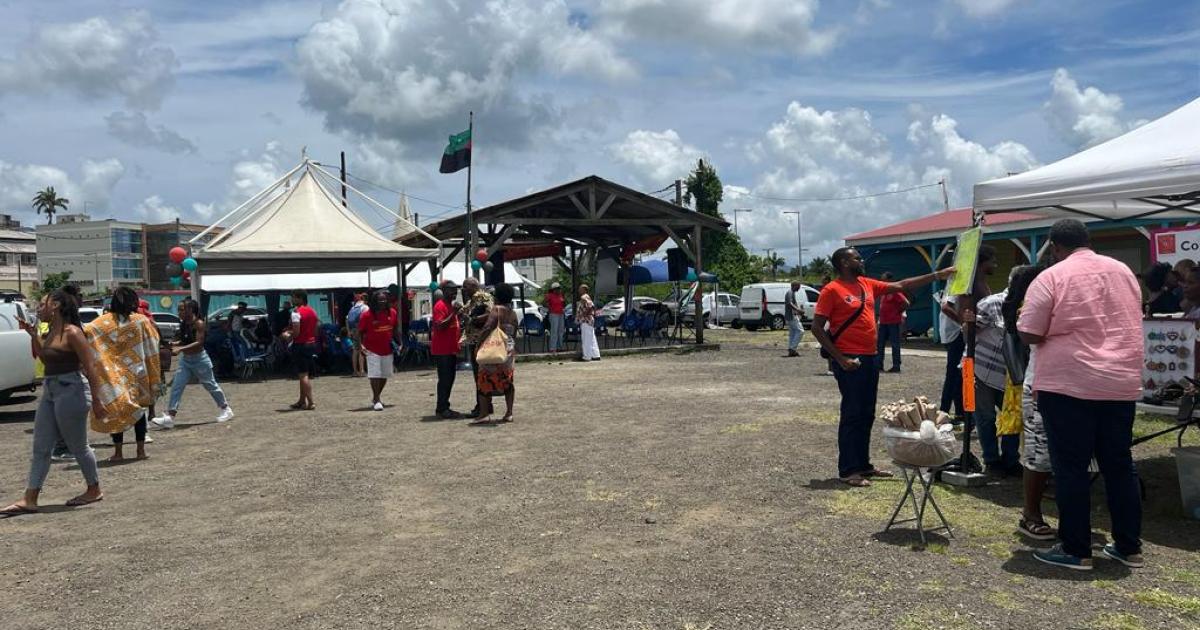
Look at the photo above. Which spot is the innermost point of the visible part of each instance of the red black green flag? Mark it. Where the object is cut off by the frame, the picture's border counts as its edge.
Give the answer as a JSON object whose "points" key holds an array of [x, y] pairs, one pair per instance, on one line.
{"points": [[457, 155]]}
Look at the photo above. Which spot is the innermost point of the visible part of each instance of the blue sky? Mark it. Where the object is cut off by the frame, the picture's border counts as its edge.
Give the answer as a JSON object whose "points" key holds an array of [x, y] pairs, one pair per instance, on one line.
{"points": [[149, 110]]}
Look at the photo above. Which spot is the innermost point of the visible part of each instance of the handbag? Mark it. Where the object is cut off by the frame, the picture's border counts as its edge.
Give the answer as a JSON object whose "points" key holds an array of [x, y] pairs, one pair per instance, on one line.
{"points": [[862, 304], [494, 349], [1016, 357]]}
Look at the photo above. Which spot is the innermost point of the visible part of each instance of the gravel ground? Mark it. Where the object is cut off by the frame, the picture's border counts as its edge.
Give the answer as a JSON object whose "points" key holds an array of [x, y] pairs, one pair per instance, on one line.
{"points": [[669, 491]]}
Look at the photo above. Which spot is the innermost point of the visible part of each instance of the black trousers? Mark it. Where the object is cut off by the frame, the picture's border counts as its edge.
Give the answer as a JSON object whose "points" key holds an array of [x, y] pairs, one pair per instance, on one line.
{"points": [[139, 432], [859, 390], [447, 365], [952, 387]]}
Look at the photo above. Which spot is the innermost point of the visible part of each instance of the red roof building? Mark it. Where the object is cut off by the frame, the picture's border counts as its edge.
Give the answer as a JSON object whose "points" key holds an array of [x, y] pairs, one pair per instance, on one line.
{"points": [[947, 224]]}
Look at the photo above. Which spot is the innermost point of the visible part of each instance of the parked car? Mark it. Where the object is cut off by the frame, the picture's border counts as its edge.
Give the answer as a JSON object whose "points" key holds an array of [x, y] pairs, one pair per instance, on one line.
{"points": [[527, 308], [221, 316], [88, 314], [614, 311], [168, 324], [16, 360], [762, 305], [726, 310]]}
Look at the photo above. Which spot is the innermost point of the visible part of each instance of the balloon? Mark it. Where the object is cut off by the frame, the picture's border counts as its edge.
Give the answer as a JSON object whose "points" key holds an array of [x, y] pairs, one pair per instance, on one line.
{"points": [[177, 254], [475, 265], [173, 269], [481, 255], [176, 281], [190, 264], [433, 286], [488, 266]]}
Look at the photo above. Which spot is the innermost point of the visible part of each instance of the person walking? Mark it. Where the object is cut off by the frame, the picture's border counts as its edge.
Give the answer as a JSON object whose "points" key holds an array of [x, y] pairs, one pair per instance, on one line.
{"points": [[444, 346], [556, 307], [194, 362], [497, 379], [891, 324], [378, 326], [127, 344], [1001, 454], [358, 358], [1084, 317], [794, 314], [303, 351], [585, 316], [846, 306], [63, 410]]}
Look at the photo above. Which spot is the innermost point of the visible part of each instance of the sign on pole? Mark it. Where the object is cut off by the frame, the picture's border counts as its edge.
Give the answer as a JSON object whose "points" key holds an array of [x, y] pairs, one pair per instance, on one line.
{"points": [[966, 259]]}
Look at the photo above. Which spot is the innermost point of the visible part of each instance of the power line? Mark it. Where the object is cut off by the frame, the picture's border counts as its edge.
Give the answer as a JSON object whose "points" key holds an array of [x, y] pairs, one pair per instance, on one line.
{"points": [[852, 198], [401, 193]]}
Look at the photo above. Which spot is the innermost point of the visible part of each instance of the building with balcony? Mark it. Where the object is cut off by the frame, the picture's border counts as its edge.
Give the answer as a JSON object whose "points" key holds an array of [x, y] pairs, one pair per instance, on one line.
{"points": [[18, 260]]}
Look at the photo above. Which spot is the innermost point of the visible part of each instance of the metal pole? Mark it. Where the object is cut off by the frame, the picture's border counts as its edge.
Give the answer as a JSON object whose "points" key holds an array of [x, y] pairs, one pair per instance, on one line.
{"points": [[699, 286], [469, 250], [343, 179], [19, 254]]}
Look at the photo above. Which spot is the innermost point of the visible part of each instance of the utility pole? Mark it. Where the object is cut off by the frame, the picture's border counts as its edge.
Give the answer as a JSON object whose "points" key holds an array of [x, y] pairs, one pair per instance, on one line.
{"points": [[799, 241], [679, 192], [735, 221], [343, 179], [945, 194]]}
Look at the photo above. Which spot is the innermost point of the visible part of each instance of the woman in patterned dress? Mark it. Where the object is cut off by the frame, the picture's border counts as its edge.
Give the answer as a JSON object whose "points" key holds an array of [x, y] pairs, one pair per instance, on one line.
{"points": [[497, 379]]}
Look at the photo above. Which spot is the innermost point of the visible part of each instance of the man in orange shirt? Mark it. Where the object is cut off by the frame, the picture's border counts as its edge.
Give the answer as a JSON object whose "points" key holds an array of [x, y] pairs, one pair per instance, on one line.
{"points": [[847, 308]]}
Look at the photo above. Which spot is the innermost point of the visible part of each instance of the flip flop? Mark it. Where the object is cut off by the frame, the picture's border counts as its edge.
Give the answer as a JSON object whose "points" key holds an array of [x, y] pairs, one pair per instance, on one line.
{"points": [[857, 481], [482, 422], [506, 419], [18, 510], [79, 501], [882, 474]]}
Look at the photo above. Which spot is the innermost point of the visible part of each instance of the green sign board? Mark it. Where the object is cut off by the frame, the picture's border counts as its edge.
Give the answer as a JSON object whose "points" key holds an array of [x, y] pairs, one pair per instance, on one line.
{"points": [[966, 259]]}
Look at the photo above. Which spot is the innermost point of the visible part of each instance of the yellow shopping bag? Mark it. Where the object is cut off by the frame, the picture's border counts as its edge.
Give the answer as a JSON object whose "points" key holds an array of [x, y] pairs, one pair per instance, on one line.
{"points": [[1009, 420]]}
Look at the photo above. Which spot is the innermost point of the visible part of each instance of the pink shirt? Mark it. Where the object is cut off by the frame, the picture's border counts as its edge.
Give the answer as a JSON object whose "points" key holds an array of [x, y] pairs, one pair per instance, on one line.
{"points": [[1089, 309]]}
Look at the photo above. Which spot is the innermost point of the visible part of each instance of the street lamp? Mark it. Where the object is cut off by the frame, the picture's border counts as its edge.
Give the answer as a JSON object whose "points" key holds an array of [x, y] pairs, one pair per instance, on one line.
{"points": [[799, 240], [735, 213]]}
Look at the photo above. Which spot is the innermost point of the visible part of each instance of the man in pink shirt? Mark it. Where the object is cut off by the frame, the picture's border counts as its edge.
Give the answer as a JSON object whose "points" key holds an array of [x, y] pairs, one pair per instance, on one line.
{"points": [[1084, 315]]}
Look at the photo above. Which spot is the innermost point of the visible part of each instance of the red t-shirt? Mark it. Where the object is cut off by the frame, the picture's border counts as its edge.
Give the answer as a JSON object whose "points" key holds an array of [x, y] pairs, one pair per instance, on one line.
{"points": [[891, 308], [555, 303], [307, 318], [377, 334], [839, 301], [444, 340]]}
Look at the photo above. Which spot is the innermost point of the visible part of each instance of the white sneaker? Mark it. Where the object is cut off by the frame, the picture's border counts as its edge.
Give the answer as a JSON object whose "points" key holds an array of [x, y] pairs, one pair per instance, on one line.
{"points": [[378, 406], [226, 414], [163, 422]]}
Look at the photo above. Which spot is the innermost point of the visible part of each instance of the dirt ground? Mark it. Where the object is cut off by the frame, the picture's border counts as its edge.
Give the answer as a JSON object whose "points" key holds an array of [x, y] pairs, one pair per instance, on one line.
{"points": [[670, 491]]}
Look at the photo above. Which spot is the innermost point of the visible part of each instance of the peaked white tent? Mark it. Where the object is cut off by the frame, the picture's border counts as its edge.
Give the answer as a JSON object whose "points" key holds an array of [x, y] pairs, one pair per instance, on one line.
{"points": [[1152, 172], [417, 278]]}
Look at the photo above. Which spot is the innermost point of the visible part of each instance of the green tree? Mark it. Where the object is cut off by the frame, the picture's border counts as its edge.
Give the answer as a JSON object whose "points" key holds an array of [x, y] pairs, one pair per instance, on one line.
{"points": [[48, 202], [51, 282], [818, 268], [774, 262], [723, 253]]}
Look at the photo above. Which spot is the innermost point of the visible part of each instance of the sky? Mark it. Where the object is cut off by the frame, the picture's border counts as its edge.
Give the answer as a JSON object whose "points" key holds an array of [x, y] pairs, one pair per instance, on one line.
{"points": [[149, 111]]}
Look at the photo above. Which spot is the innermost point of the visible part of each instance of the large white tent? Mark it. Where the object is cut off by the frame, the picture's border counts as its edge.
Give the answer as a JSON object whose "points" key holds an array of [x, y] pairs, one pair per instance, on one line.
{"points": [[418, 278], [1152, 172]]}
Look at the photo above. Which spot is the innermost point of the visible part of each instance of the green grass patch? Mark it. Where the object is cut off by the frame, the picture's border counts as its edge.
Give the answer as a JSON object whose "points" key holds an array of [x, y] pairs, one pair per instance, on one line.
{"points": [[1004, 600], [1117, 621], [930, 617], [1159, 598], [1182, 576], [1108, 585], [966, 513], [1144, 424]]}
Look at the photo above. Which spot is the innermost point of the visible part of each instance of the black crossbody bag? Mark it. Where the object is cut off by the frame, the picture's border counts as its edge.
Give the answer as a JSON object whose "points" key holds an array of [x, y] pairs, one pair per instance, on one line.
{"points": [[862, 304]]}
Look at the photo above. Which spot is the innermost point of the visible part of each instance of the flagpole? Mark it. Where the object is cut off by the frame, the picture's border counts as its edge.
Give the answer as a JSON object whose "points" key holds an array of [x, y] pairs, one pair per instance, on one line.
{"points": [[469, 249]]}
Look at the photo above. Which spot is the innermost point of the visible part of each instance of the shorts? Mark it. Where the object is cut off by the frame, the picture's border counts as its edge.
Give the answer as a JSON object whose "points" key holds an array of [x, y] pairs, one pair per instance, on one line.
{"points": [[1035, 455], [378, 365], [304, 358]]}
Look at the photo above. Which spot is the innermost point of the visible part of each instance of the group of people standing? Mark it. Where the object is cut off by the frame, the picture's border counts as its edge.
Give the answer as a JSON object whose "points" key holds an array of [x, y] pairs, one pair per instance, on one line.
{"points": [[1066, 334]]}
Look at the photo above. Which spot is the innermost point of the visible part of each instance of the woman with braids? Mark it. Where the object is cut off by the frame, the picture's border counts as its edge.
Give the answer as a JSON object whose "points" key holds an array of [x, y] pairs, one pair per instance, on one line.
{"points": [[193, 361], [1035, 456], [127, 344], [63, 410]]}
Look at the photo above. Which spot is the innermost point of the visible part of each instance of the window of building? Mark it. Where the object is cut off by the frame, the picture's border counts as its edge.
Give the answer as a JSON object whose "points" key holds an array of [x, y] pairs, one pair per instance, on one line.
{"points": [[127, 269], [126, 241], [29, 259]]}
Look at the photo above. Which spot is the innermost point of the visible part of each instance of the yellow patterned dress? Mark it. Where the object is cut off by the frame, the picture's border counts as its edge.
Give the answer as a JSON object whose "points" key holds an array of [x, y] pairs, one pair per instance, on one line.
{"points": [[128, 369]]}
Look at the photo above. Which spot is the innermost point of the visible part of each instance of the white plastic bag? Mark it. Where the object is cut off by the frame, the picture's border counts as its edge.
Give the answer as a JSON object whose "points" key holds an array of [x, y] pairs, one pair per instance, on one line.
{"points": [[930, 446]]}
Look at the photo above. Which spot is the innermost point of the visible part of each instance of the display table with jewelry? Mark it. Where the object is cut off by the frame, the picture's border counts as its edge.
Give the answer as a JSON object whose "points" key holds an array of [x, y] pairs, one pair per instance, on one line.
{"points": [[1168, 374]]}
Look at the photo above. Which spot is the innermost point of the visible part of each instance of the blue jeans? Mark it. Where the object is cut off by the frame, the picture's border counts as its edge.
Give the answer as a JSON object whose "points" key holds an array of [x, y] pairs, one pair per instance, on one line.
{"points": [[1077, 430], [859, 389], [557, 325], [62, 416], [795, 333], [892, 332], [200, 366], [1004, 451]]}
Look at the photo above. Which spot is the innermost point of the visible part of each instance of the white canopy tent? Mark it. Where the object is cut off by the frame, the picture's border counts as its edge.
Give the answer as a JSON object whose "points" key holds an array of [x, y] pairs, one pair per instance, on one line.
{"points": [[418, 278], [1152, 172], [298, 227]]}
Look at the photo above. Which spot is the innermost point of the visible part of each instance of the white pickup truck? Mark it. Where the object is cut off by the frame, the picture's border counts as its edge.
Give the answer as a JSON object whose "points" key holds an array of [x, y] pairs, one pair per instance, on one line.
{"points": [[16, 362]]}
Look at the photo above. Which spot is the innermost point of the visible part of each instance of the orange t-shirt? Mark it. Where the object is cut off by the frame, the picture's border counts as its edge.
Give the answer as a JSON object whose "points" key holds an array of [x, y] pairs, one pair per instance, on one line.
{"points": [[839, 301]]}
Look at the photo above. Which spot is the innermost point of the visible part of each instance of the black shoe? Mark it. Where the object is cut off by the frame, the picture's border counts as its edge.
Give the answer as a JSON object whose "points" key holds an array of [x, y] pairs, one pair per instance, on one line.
{"points": [[894, 370], [449, 414]]}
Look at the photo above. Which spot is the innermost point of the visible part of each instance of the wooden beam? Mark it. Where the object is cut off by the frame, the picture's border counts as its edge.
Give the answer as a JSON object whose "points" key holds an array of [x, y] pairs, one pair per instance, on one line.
{"points": [[562, 263], [687, 248], [586, 223], [592, 202], [605, 206], [454, 251], [579, 205], [499, 242]]}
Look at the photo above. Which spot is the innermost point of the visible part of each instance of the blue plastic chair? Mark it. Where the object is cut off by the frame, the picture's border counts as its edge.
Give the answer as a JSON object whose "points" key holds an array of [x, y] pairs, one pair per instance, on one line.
{"points": [[532, 325], [245, 361]]}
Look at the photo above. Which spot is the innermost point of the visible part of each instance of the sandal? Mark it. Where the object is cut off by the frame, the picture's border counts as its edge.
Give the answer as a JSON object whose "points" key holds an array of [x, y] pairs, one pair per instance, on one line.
{"points": [[506, 419], [18, 510], [857, 481], [482, 422], [80, 501], [882, 474], [1037, 530]]}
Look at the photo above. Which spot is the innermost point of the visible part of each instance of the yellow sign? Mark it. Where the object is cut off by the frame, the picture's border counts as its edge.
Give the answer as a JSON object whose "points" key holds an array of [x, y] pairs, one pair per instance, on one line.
{"points": [[966, 259]]}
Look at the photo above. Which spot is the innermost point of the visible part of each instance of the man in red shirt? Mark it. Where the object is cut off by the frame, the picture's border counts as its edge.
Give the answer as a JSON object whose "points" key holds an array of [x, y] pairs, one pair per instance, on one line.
{"points": [[845, 327], [377, 327], [443, 345], [303, 351], [891, 324], [556, 305]]}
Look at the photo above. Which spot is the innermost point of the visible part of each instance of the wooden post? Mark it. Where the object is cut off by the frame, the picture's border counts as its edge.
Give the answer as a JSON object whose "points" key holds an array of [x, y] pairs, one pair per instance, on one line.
{"points": [[402, 282], [699, 285]]}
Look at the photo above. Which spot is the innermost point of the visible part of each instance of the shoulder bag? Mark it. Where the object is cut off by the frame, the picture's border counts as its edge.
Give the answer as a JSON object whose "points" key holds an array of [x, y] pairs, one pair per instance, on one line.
{"points": [[862, 304], [494, 349]]}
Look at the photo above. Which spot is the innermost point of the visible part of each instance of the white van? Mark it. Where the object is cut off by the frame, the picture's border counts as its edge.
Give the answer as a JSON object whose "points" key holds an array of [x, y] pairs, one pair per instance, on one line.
{"points": [[762, 305], [16, 359]]}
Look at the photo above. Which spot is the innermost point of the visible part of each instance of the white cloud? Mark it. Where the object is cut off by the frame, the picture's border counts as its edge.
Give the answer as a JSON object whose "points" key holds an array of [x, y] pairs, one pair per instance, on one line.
{"points": [[1083, 117], [775, 26], [656, 158], [95, 58], [941, 152], [91, 190], [153, 209], [253, 174], [410, 71], [133, 129], [985, 8]]}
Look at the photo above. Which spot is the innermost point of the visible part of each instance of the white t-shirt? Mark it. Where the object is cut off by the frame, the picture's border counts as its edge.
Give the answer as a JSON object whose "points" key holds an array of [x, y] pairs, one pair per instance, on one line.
{"points": [[948, 329]]}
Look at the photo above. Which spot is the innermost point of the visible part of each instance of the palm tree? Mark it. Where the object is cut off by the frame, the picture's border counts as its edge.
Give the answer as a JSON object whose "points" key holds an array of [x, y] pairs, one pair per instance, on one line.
{"points": [[774, 262], [48, 202], [819, 267]]}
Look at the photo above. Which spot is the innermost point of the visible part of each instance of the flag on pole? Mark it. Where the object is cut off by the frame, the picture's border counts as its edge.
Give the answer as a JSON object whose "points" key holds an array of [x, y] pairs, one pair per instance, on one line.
{"points": [[457, 155]]}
